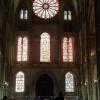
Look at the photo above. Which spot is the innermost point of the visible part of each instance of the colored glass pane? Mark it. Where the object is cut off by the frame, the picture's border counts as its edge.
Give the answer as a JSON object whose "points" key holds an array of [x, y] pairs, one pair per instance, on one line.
{"points": [[22, 49], [45, 47], [25, 49], [19, 49], [45, 8], [69, 82], [19, 87], [67, 49]]}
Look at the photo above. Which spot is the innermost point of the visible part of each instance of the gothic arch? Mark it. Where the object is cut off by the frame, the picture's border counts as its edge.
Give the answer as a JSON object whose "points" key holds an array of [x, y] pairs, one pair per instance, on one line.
{"points": [[40, 73], [76, 77]]}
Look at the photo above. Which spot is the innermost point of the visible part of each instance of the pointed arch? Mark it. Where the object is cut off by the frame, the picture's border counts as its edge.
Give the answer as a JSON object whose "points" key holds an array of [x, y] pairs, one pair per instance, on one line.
{"points": [[69, 82], [45, 47], [20, 80]]}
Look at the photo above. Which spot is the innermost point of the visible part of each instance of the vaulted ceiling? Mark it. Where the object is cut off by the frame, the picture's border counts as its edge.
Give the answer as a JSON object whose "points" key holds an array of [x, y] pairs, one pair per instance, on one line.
{"points": [[11, 5]]}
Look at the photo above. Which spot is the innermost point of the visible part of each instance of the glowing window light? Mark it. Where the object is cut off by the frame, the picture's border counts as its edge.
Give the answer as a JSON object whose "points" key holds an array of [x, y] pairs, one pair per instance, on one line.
{"points": [[69, 15], [26, 14], [45, 47], [21, 14], [65, 52], [19, 87], [45, 8], [67, 49], [65, 15], [22, 49], [19, 49], [25, 49], [69, 82], [70, 50]]}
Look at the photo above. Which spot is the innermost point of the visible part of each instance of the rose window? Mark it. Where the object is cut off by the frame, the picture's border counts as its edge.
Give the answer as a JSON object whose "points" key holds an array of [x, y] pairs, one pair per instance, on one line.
{"points": [[45, 8]]}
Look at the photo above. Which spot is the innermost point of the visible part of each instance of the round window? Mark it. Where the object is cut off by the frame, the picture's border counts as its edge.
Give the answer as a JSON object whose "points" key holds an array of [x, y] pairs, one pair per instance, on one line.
{"points": [[45, 8]]}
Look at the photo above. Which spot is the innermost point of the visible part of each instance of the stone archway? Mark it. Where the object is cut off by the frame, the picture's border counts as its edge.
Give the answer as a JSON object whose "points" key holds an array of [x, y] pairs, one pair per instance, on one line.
{"points": [[44, 86]]}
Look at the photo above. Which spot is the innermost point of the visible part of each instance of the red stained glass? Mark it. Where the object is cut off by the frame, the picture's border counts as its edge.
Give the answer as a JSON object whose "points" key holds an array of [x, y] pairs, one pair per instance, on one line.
{"points": [[67, 50], [22, 49]]}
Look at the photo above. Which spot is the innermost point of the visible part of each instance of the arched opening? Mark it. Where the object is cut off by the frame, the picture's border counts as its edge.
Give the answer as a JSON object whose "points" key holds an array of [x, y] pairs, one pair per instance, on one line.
{"points": [[44, 86]]}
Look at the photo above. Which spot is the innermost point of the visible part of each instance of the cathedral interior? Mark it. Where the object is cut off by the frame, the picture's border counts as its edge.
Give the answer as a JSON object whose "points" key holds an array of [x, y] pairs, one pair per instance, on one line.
{"points": [[49, 47]]}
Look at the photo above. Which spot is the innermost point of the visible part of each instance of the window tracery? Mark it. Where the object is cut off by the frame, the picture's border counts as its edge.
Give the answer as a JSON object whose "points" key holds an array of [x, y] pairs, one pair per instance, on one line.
{"points": [[45, 8], [69, 82]]}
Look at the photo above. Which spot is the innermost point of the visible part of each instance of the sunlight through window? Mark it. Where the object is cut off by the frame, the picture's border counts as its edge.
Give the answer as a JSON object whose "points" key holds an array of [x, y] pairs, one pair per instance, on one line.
{"points": [[45, 47], [19, 87]]}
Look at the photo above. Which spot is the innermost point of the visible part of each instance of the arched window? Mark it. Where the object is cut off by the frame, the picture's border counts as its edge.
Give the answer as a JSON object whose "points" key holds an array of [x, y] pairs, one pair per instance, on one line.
{"points": [[45, 47], [22, 49], [69, 15], [69, 82], [26, 14], [67, 49], [65, 15], [70, 50], [20, 79], [23, 14], [25, 49], [19, 49]]}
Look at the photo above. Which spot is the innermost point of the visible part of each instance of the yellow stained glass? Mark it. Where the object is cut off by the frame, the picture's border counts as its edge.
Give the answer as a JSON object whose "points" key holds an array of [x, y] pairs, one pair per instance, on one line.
{"points": [[45, 47]]}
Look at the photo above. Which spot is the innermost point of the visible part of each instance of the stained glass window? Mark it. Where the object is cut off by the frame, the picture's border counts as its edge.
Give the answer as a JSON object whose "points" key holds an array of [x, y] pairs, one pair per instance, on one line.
{"points": [[65, 15], [69, 15], [19, 49], [69, 82], [45, 47], [26, 14], [45, 8], [70, 50], [23, 14], [25, 49], [22, 49], [67, 49], [19, 87]]}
